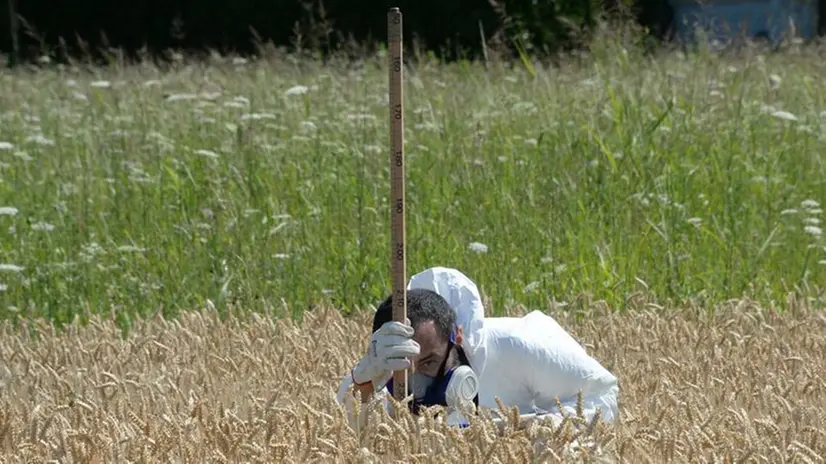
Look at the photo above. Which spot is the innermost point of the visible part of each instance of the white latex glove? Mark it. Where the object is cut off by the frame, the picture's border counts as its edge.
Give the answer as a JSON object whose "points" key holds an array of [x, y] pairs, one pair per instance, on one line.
{"points": [[390, 349]]}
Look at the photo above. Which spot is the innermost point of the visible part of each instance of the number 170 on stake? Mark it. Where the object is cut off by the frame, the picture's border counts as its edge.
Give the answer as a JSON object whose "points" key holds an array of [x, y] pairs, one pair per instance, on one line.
{"points": [[397, 181]]}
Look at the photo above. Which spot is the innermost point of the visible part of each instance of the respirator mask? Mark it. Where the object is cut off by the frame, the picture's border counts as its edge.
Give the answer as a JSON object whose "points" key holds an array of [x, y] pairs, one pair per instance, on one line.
{"points": [[450, 388]]}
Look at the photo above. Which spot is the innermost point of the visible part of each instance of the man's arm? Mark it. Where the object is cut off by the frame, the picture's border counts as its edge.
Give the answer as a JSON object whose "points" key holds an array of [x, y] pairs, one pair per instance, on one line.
{"points": [[347, 398], [366, 390]]}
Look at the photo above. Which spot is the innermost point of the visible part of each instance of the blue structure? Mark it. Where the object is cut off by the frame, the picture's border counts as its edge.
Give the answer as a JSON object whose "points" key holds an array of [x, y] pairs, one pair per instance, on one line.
{"points": [[729, 20]]}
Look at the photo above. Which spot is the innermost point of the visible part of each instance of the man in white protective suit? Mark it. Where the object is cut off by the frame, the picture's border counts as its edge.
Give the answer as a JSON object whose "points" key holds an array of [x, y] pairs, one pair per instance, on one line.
{"points": [[459, 355]]}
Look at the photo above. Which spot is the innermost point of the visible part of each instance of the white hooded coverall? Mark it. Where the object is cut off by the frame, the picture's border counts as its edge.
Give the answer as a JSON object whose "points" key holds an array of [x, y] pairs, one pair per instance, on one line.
{"points": [[526, 361]]}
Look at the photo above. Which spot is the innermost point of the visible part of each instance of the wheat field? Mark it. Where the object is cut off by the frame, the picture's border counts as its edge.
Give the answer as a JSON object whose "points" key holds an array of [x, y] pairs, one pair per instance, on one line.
{"points": [[744, 385]]}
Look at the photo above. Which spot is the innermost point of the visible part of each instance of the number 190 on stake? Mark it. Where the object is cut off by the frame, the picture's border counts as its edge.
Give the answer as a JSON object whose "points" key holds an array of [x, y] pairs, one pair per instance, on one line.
{"points": [[397, 181]]}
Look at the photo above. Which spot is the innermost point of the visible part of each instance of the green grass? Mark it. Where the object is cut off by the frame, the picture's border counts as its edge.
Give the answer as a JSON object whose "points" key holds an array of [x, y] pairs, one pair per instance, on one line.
{"points": [[617, 175]]}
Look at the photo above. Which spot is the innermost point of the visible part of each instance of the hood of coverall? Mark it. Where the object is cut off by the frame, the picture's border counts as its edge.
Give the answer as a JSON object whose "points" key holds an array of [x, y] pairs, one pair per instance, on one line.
{"points": [[463, 296]]}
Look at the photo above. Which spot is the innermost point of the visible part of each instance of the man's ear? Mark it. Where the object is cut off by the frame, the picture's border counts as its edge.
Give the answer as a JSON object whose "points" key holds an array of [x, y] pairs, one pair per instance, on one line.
{"points": [[458, 335]]}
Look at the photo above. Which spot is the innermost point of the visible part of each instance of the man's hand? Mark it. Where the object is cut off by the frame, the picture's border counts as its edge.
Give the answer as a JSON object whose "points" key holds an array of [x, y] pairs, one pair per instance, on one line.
{"points": [[389, 350]]}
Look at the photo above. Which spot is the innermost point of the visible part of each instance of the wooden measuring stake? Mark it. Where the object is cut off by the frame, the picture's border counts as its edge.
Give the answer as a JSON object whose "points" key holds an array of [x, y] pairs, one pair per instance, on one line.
{"points": [[397, 181]]}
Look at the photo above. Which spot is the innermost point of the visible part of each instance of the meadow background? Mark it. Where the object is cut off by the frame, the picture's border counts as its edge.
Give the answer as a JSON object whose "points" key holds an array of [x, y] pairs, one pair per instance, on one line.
{"points": [[263, 183]]}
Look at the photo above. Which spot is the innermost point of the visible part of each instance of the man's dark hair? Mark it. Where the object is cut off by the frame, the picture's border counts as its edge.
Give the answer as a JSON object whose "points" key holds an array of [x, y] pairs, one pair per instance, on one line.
{"points": [[422, 306]]}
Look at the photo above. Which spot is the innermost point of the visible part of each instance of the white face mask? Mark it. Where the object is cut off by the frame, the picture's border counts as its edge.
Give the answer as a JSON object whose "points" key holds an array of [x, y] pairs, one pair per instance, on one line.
{"points": [[462, 387], [458, 386]]}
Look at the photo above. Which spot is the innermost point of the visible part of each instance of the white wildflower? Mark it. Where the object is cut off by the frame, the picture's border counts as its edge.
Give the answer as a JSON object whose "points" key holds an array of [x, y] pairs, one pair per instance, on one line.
{"points": [[787, 212], [43, 226], [361, 117], [8, 211], [11, 268], [181, 97], [3, 287], [695, 221], [281, 256], [813, 230], [90, 250], [40, 139], [785, 115], [427, 126], [257, 116], [297, 90], [206, 119], [71, 83], [131, 249], [6, 146], [308, 126], [234, 104], [531, 287], [152, 83], [809, 204], [80, 96], [764, 108], [477, 247], [775, 80], [560, 268], [209, 96], [23, 155], [524, 107], [207, 153], [100, 84], [238, 61], [812, 221]]}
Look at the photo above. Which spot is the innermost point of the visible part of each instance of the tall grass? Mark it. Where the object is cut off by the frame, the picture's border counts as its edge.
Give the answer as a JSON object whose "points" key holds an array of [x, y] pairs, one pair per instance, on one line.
{"points": [[134, 190]]}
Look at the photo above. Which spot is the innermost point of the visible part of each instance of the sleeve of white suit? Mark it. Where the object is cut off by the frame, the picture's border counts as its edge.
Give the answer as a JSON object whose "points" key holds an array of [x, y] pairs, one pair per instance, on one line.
{"points": [[561, 368]]}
